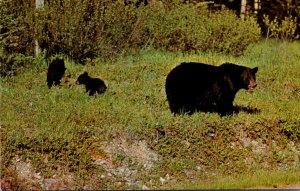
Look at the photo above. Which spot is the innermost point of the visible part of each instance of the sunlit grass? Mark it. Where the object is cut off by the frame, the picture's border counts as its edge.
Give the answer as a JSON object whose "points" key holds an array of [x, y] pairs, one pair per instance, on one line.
{"points": [[63, 123], [258, 180]]}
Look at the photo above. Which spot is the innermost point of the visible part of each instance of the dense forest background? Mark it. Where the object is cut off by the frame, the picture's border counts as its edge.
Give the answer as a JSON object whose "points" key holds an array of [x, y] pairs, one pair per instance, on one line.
{"points": [[87, 29]]}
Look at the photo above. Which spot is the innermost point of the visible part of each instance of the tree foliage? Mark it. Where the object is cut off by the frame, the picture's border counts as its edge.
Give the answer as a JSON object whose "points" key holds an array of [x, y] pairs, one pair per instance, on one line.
{"points": [[85, 29], [16, 26]]}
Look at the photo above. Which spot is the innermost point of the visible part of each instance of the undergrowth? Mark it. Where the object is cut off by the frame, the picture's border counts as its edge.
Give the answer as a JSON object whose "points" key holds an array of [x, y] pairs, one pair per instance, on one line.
{"points": [[87, 29], [58, 131]]}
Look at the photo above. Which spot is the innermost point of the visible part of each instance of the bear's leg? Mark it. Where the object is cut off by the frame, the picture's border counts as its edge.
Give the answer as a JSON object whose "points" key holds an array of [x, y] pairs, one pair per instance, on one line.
{"points": [[49, 80], [173, 107], [177, 108], [224, 104], [189, 108], [49, 83], [225, 108], [99, 90], [184, 108], [92, 92], [57, 82]]}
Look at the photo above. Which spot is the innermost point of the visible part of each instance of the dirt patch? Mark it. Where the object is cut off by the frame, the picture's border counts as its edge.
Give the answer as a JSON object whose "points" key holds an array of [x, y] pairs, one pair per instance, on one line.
{"points": [[131, 152], [33, 178], [135, 156], [136, 149]]}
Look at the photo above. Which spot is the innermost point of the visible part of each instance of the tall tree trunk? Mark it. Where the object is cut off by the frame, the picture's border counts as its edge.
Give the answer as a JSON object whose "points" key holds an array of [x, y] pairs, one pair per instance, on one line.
{"points": [[243, 9], [256, 6], [37, 50]]}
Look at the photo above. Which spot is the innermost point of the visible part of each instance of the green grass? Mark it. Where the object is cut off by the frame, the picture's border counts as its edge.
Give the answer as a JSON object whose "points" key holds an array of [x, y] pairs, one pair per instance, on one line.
{"points": [[59, 130], [257, 180]]}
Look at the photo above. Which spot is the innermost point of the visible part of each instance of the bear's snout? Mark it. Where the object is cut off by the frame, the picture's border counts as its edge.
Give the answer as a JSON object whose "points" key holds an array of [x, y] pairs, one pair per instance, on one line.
{"points": [[252, 85], [77, 82]]}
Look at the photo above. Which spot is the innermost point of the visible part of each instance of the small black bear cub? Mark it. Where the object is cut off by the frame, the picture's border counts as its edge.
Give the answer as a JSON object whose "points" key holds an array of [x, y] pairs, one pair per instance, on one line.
{"points": [[55, 72], [92, 85], [194, 87]]}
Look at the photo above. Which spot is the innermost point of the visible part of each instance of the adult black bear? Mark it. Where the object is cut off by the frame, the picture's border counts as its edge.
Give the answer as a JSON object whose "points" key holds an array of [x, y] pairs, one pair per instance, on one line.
{"points": [[92, 85], [55, 72], [195, 86]]}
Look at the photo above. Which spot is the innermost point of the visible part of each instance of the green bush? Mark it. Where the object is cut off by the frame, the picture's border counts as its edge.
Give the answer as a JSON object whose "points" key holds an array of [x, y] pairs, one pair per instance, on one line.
{"points": [[73, 28], [89, 29], [284, 29], [16, 26], [187, 28], [10, 64], [229, 34]]}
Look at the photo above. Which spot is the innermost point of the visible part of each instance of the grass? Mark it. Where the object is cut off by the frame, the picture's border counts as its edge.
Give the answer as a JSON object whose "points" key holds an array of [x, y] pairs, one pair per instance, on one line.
{"points": [[58, 131], [258, 180]]}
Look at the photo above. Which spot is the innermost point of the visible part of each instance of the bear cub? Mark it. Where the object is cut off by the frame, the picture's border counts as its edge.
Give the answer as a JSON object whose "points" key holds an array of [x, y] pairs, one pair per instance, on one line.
{"points": [[92, 85], [56, 70], [192, 87]]}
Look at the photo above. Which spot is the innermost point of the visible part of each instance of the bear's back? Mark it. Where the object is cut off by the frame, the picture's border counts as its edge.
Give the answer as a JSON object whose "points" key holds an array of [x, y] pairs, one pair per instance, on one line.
{"points": [[57, 65], [191, 73]]}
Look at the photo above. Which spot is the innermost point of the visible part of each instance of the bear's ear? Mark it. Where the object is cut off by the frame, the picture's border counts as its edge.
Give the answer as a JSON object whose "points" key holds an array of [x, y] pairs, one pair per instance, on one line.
{"points": [[85, 73], [254, 70]]}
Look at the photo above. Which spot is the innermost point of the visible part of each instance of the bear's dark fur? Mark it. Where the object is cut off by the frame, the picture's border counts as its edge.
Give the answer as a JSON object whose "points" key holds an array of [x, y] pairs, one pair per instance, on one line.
{"points": [[92, 85], [195, 86], [55, 72]]}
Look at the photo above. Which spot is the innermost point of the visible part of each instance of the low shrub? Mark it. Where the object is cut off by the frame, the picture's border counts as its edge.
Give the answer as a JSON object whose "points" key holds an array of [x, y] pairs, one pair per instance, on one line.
{"points": [[90, 29], [188, 28], [284, 29], [9, 64], [17, 26]]}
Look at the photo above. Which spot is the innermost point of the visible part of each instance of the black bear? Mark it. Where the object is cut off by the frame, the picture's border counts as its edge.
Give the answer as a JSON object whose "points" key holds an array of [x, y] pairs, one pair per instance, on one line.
{"points": [[195, 86], [55, 72], [92, 85]]}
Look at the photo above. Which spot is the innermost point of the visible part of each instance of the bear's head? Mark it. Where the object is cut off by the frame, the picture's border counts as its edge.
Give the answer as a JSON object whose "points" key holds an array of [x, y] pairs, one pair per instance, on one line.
{"points": [[248, 78], [242, 77], [82, 79], [61, 63]]}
